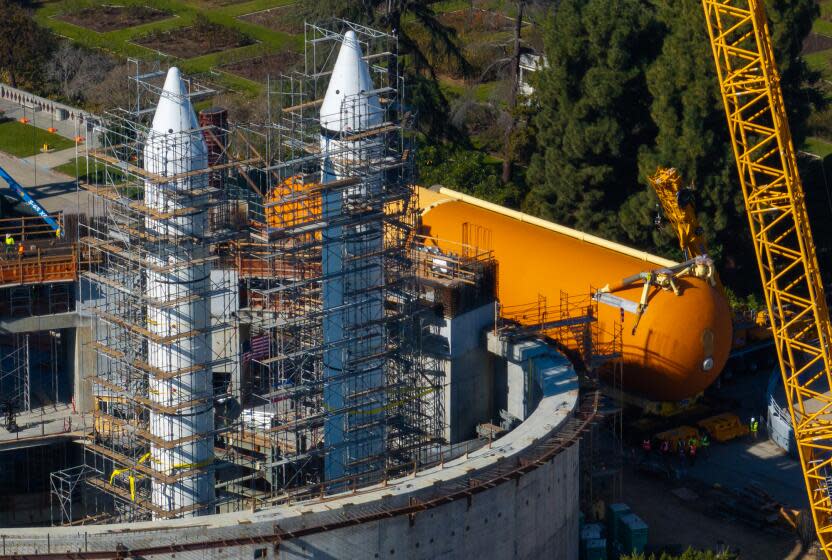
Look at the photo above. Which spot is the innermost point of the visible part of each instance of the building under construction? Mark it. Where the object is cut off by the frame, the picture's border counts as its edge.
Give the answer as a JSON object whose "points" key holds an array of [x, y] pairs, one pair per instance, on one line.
{"points": [[264, 325]]}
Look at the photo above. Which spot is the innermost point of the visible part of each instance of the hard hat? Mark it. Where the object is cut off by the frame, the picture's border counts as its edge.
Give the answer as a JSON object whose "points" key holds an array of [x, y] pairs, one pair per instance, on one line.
{"points": [[752, 419]]}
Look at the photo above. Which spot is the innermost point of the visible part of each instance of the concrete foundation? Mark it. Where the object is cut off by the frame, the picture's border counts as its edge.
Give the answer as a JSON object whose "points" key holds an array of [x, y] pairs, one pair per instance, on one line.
{"points": [[469, 390], [527, 514]]}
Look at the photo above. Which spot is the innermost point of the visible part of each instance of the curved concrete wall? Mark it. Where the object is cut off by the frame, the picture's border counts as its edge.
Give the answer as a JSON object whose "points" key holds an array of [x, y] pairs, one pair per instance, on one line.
{"points": [[463, 509]]}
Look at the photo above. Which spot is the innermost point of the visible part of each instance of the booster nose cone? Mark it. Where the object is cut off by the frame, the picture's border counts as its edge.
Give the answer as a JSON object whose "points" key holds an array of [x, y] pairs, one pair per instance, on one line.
{"points": [[346, 107], [174, 112], [174, 144]]}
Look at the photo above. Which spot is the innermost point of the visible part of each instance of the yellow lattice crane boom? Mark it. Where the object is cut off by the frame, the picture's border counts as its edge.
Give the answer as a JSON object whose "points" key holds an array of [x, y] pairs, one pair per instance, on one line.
{"points": [[776, 208], [677, 205]]}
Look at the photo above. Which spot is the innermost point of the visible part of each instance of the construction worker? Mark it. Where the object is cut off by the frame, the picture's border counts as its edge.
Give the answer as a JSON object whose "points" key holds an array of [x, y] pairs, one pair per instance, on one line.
{"points": [[705, 443], [9, 244], [20, 250], [646, 446], [753, 427], [665, 447]]}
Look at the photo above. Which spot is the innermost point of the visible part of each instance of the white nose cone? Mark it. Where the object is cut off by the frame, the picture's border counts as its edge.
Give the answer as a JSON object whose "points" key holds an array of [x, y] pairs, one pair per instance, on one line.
{"points": [[346, 107], [168, 151], [174, 112]]}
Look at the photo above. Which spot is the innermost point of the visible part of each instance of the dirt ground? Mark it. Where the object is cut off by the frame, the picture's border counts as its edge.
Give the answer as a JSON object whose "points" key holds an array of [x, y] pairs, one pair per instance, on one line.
{"points": [[677, 524], [286, 19], [110, 18], [476, 20], [190, 41], [257, 69]]}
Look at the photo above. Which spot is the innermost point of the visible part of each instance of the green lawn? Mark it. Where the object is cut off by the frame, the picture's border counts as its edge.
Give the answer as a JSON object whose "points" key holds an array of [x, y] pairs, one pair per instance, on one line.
{"points": [[96, 174], [23, 140], [183, 12], [818, 147]]}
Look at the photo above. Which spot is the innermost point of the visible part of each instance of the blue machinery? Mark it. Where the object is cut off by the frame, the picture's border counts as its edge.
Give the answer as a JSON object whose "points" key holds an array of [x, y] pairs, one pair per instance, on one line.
{"points": [[21, 193]]}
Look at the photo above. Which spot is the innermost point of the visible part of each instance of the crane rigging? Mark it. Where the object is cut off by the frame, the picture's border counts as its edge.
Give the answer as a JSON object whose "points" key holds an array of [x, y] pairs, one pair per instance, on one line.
{"points": [[776, 207], [677, 205]]}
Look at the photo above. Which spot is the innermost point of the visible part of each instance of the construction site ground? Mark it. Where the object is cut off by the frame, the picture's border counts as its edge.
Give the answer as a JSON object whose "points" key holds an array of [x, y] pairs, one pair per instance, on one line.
{"points": [[730, 496], [677, 523]]}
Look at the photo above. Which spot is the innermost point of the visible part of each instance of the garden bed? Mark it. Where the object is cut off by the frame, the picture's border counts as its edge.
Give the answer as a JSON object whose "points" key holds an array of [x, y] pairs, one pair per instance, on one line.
{"points": [[476, 20], [202, 38], [274, 65], [110, 18], [286, 19], [816, 42]]}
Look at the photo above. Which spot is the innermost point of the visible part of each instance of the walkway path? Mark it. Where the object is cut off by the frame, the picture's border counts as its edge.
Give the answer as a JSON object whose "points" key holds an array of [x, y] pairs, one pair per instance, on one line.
{"points": [[42, 425]]}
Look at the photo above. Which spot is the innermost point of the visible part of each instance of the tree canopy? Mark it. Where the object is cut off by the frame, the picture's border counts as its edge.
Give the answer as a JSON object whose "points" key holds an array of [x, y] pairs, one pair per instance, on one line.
{"points": [[630, 86], [24, 46], [593, 112]]}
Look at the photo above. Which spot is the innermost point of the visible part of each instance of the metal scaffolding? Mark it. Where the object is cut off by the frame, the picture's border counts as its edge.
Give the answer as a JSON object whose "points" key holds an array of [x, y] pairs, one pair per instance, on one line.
{"points": [[369, 417], [166, 345], [15, 375], [269, 236], [597, 353]]}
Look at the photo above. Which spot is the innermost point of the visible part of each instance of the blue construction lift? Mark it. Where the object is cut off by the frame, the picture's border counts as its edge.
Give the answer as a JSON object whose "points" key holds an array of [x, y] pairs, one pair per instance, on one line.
{"points": [[21, 193]]}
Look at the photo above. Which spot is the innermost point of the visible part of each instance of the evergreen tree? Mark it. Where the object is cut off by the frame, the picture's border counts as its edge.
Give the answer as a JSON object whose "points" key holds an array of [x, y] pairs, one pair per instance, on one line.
{"points": [[593, 113], [692, 134], [24, 46], [790, 23]]}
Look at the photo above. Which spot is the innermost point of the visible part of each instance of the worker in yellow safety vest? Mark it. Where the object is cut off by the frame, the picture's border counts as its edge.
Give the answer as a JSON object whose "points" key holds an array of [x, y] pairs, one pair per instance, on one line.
{"points": [[753, 427], [9, 244], [57, 236]]}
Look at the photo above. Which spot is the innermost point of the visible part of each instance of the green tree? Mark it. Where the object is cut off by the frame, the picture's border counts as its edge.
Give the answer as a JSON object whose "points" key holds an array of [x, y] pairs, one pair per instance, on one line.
{"points": [[686, 108], [468, 171], [593, 112], [791, 23], [24, 46], [692, 135]]}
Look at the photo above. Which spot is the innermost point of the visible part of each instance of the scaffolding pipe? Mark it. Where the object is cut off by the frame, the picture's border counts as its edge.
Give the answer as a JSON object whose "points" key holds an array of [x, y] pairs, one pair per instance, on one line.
{"points": [[352, 268]]}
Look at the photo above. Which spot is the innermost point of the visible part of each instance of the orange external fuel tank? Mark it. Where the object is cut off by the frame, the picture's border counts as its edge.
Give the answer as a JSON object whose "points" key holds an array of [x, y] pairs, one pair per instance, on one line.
{"points": [[682, 341]]}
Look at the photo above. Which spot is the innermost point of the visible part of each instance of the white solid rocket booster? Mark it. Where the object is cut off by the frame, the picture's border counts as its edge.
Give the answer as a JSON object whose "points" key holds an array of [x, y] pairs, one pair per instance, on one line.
{"points": [[179, 280], [352, 268]]}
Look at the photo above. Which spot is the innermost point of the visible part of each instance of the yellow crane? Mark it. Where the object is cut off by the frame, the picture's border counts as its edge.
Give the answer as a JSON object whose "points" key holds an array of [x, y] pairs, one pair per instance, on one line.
{"points": [[677, 205], [776, 208]]}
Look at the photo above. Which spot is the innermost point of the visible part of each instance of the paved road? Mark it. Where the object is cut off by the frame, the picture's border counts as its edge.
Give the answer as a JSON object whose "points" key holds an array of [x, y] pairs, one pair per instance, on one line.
{"points": [[54, 191], [742, 462], [53, 159]]}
